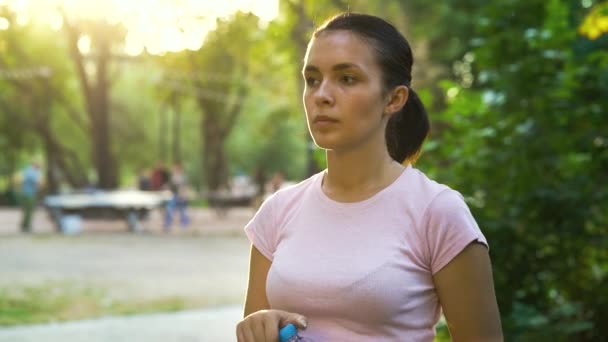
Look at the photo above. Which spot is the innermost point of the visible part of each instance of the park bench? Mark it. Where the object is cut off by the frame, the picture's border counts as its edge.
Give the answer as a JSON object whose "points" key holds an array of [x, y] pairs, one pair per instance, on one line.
{"points": [[129, 205], [222, 201]]}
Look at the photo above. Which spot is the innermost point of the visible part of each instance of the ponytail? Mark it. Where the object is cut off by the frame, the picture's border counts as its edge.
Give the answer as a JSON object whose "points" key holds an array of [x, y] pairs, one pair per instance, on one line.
{"points": [[407, 129]]}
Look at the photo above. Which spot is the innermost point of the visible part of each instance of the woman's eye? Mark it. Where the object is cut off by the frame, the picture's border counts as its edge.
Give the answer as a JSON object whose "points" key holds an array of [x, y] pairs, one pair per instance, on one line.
{"points": [[310, 81], [346, 79]]}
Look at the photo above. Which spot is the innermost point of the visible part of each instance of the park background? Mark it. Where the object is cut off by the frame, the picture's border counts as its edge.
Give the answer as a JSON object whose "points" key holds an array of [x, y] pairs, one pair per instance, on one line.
{"points": [[517, 93]]}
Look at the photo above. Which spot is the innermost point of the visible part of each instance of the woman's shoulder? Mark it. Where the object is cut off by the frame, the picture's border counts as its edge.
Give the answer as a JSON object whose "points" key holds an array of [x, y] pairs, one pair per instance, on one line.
{"points": [[421, 187], [434, 197]]}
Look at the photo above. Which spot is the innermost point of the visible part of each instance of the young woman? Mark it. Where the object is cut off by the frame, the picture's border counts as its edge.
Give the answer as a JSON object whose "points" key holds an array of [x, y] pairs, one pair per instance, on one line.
{"points": [[370, 249]]}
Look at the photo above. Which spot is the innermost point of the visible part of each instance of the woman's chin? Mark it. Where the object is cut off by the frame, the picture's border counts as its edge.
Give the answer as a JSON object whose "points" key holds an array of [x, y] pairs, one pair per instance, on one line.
{"points": [[325, 141], [324, 144]]}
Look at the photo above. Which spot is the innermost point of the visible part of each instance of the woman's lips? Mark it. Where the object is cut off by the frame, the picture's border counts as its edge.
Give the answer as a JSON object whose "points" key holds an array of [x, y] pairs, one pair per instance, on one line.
{"points": [[323, 120]]}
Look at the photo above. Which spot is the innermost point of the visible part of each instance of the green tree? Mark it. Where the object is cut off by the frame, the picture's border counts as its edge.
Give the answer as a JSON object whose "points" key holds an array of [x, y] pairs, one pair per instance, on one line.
{"points": [[524, 140], [95, 87], [215, 77], [36, 98]]}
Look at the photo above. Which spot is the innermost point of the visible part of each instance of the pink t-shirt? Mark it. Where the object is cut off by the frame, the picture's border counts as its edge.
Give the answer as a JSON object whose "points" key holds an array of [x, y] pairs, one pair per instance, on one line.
{"points": [[362, 271]]}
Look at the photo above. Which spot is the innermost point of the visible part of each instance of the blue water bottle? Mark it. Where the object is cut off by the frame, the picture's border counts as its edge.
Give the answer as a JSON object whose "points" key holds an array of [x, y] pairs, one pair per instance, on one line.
{"points": [[289, 333]]}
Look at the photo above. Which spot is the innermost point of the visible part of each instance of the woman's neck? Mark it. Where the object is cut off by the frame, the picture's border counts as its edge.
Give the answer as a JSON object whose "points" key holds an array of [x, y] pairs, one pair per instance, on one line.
{"points": [[359, 174]]}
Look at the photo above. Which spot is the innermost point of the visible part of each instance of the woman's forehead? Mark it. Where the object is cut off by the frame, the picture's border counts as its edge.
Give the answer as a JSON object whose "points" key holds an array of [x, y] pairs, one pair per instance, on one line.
{"points": [[339, 47]]}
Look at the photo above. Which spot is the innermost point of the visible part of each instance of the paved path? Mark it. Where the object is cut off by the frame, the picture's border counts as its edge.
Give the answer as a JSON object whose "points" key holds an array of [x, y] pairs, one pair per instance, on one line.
{"points": [[203, 222], [213, 325], [210, 270], [206, 264]]}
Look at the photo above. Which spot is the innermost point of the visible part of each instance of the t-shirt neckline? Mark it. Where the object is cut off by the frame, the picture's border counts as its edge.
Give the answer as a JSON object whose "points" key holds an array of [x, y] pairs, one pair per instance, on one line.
{"points": [[329, 202]]}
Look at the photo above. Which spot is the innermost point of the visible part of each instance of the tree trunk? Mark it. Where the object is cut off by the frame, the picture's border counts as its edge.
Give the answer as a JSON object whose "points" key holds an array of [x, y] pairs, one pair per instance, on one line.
{"points": [[69, 165], [97, 102], [217, 123], [162, 133], [214, 158], [58, 160], [52, 182], [41, 108], [104, 160], [177, 157]]}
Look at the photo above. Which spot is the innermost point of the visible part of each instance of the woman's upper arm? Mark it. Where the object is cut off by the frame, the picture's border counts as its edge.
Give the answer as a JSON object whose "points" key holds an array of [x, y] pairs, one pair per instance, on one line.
{"points": [[466, 293], [256, 288]]}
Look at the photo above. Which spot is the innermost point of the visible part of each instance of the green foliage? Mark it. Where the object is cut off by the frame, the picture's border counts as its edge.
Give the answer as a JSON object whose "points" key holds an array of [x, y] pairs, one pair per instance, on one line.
{"points": [[141, 142], [15, 120], [526, 146], [268, 143], [36, 94]]}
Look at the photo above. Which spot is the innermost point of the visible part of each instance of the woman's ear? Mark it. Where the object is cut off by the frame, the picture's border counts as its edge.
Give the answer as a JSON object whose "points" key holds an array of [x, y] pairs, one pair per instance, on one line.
{"points": [[397, 99]]}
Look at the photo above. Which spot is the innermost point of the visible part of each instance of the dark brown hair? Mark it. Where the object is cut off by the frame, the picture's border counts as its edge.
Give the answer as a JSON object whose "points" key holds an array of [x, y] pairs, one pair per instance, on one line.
{"points": [[406, 129]]}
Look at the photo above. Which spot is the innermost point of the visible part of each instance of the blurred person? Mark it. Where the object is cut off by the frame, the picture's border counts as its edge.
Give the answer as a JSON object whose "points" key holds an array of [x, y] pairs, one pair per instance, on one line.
{"points": [[178, 199], [369, 249], [143, 180], [160, 177], [260, 181], [31, 182], [276, 182]]}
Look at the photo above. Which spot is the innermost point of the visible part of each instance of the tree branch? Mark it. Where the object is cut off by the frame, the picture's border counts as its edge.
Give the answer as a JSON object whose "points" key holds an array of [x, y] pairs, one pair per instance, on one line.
{"points": [[71, 111], [11, 113], [65, 158], [299, 32], [78, 59], [234, 112]]}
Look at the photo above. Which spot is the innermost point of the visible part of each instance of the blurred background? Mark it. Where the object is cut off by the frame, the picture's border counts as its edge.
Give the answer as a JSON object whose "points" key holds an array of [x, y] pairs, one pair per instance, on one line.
{"points": [[129, 109]]}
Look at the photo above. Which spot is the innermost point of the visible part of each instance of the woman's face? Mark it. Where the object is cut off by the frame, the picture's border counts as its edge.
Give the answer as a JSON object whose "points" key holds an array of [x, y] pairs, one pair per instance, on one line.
{"points": [[343, 95]]}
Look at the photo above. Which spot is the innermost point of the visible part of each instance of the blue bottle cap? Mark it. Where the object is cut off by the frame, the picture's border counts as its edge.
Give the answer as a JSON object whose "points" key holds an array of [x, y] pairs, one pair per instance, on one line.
{"points": [[287, 332]]}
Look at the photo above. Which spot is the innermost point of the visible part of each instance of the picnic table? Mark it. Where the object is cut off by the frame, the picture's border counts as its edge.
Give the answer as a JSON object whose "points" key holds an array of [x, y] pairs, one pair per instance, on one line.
{"points": [[129, 205]]}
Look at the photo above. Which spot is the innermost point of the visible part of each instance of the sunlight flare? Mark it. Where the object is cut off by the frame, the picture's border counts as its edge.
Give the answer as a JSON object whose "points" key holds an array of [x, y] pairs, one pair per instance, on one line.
{"points": [[156, 26]]}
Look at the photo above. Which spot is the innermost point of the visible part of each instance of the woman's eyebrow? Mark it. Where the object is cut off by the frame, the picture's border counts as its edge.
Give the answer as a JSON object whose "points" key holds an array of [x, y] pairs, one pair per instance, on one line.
{"points": [[337, 67], [343, 66], [310, 68]]}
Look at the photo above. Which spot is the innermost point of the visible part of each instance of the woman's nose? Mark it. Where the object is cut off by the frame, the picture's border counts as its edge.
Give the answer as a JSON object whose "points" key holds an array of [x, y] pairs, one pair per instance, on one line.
{"points": [[324, 94]]}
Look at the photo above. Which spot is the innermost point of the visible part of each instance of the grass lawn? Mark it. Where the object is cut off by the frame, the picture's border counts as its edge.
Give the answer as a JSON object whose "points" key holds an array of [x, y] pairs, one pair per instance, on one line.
{"points": [[63, 302]]}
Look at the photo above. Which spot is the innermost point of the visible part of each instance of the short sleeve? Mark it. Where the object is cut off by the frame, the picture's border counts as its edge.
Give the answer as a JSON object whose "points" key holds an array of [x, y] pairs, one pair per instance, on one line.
{"points": [[450, 228], [262, 229]]}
